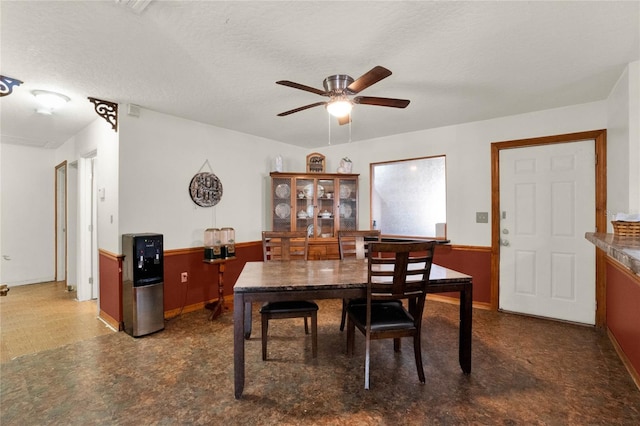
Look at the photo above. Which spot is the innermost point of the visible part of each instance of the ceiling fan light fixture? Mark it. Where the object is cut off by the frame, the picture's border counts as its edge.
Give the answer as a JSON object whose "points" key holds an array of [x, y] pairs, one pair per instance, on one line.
{"points": [[49, 101], [340, 107]]}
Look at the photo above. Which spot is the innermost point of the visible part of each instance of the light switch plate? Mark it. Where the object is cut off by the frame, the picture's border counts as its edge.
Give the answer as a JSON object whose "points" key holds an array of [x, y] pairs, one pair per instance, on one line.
{"points": [[482, 217]]}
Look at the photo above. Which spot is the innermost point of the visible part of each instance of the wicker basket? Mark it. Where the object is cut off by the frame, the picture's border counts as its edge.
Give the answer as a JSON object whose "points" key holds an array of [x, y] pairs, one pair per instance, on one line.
{"points": [[626, 229]]}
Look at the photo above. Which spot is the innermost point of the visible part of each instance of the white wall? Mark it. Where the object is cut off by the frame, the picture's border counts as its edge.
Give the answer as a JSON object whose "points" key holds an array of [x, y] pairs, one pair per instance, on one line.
{"points": [[159, 155], [27, 214], [107, 175], [623, 144], [618, 148], [99, 140], [634, 137], [468, 151]]}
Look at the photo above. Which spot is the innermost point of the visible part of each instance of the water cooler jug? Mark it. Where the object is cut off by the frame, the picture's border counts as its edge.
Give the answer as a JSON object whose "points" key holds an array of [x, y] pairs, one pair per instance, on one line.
{"points": [[142, 284]]}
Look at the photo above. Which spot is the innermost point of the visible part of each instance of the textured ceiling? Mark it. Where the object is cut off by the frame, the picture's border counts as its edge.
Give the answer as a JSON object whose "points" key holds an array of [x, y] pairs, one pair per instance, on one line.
{"points": [[217, 62]]}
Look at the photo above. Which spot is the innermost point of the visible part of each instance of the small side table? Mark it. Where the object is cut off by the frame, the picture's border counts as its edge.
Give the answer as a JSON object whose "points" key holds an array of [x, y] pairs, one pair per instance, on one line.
{"points": [[218, 307]]}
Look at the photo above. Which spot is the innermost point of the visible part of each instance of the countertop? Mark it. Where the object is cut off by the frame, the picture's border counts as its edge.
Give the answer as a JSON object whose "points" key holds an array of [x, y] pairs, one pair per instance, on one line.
{"points": [[625, 250]]}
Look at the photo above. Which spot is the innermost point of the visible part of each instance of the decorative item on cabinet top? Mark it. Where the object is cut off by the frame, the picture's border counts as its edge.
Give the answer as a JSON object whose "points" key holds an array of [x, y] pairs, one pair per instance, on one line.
{"points": [[315, 163], [345, 165], [277, 163]]}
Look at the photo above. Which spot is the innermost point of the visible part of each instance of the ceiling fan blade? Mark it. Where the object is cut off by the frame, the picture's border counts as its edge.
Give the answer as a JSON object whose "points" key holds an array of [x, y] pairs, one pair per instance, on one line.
{"points": [[388, 102], [302, 87], [302, 108], [344, 120], [373, 76]]}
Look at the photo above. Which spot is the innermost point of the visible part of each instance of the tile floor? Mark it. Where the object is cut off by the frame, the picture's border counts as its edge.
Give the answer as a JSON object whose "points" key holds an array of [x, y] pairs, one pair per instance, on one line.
{"points": [[526, 371]]}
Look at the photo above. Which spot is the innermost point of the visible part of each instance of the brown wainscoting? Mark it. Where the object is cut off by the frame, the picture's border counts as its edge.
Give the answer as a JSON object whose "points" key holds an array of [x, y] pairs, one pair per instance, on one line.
{"points": [[470, 260], [109, 320], [202, 284], [625, 360], [110, 266], [623, 314], [201, 287]]}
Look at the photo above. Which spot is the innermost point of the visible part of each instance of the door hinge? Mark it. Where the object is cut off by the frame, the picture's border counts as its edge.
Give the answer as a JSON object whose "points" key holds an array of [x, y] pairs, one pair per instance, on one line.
{"points": [[90, 280]]}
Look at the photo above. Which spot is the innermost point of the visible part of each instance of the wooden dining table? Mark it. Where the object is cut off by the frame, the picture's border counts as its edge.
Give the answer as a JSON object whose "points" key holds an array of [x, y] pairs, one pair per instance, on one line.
{"points": [[327, 279]]}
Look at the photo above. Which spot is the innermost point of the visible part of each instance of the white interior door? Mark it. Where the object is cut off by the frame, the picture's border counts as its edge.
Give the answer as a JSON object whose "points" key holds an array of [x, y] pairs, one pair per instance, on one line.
{"points": [[547, 203]]}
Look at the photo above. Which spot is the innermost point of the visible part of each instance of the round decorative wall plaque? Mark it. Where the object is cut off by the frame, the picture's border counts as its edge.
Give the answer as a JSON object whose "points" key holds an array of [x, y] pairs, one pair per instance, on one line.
{"points": [[205, 189]]}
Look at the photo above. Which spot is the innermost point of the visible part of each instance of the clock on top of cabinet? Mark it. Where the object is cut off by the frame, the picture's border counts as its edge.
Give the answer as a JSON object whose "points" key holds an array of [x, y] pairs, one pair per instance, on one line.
{"points": [[318, 203]]}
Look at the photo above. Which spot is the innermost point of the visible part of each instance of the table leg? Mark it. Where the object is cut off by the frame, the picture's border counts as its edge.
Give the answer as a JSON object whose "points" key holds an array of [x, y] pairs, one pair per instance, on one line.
{"points": [[247, 320], [238, 343], [466, 312]]}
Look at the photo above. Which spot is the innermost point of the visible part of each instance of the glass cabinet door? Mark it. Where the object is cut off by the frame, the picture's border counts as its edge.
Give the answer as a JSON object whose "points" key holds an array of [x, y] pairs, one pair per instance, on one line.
{"points": [[305, 205], [347, 192], [282, 195], [325, 214]]}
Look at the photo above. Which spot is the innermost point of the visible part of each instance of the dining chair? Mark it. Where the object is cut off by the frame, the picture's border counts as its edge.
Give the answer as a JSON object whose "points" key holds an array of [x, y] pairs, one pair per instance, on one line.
{"points": [[287, 246], [396, 271], [354, 244]]}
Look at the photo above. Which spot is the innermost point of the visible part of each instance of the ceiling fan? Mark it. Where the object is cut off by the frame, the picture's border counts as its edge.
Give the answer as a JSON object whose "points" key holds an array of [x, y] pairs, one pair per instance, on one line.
{"points": [[340, 89]]}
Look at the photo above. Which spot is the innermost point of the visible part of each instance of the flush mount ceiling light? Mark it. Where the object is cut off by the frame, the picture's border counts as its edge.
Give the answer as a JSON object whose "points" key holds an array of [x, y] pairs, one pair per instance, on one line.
{"points": [[49, 101]]}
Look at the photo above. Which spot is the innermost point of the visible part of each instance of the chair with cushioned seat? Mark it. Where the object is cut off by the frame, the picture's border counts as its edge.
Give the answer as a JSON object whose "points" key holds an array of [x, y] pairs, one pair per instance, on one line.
{"points": [[354, 244], [396, 271], [287, 246]]}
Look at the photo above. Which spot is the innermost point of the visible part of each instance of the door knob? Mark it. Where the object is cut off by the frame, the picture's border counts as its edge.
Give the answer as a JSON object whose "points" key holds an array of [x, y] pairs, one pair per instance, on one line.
{"points": [[504, 242]]}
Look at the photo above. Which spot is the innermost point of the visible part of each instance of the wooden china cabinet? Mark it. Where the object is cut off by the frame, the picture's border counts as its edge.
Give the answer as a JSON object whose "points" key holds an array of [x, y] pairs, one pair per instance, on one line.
{"points": [[319, 203]]}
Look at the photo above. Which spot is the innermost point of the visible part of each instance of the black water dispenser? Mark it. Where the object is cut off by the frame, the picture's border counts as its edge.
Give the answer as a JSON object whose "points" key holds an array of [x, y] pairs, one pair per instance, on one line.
{"points": [[142, 284]]}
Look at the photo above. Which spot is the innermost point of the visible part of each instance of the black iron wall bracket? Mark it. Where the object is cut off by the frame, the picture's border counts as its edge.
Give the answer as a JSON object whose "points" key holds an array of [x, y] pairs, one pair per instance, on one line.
{"points": [[107, 110]]}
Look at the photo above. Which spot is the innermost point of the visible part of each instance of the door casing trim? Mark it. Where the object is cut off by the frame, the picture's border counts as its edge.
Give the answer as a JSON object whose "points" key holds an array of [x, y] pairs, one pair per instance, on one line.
{"points": [[56, 224], [600, 138]]}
